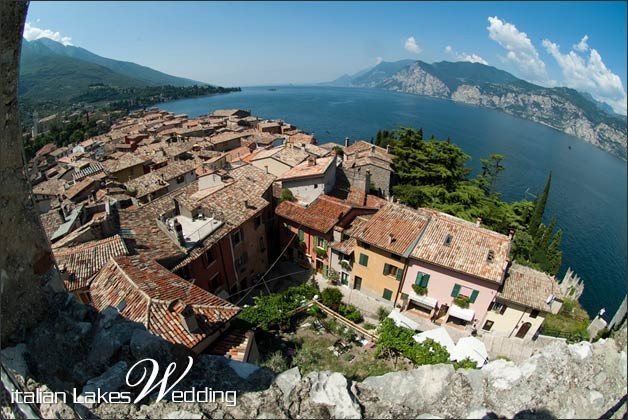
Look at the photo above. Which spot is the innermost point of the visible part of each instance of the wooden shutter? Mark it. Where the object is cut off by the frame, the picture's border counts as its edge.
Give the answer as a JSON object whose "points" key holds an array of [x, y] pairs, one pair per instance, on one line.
{"points": [[386, 269], [399, 274], [425, 280], [364, 260], [502, 310], [325, 244], [474, 296], [490, 307], [325, 271], [419, 278], [456, 290], [387, 294], [300, 235]]}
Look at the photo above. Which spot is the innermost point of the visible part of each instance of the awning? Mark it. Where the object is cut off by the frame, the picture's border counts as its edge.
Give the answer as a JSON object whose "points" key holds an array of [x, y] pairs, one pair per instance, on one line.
{"points": [[403, 321], [440, 335], [471, 348], [464, 314], [423, 300]]}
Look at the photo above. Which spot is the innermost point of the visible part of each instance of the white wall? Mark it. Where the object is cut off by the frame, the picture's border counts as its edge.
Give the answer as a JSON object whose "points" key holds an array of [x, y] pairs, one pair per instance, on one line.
{"points": [[309, 189]]}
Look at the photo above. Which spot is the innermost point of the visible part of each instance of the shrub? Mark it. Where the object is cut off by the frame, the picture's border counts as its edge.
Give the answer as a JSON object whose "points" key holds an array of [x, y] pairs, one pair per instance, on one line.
{"points": [[345, 265], [350, 312], [331, 297], [398, 341], [465, 364], [274, 311], [275, 362], [462, 301], [382, 313], [320, 253], [419, 290], [286, 195], [368, 326], [316, 312]]}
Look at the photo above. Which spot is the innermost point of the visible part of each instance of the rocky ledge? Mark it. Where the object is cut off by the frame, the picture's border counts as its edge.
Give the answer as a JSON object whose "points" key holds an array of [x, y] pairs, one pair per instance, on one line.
{"points": [[79, 348]]}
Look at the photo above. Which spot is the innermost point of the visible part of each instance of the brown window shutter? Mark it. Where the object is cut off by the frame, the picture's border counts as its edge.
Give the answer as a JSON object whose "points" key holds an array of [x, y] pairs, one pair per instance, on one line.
{"points": [[501, 312]]}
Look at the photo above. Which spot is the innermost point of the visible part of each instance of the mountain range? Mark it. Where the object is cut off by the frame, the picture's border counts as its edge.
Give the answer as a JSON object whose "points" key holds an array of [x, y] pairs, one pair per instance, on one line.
{"points": [[50, 70], [562, 108]]}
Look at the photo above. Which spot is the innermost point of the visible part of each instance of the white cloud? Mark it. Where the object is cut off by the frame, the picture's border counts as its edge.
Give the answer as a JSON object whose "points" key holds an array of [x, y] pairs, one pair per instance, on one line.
{"points": [[31, 33], [378, 60], [582, 46], [471, 58], [412, 46], [590, 75], [521, 52]]}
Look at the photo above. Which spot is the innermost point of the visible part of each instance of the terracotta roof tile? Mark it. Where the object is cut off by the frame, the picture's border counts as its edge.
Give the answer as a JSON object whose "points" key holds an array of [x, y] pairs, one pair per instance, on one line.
{"points": [[85, 260], [394, 228], [321, 215], [530, 288], [146, 292], [468, 249]]}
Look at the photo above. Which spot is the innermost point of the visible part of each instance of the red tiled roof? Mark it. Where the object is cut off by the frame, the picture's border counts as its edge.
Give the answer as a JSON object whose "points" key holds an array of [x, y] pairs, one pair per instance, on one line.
{"points": [[530, 288], [235, 345], [468, 249], [321, 215], [403, 223], [85, 260], [146, 292], [305, 170]]}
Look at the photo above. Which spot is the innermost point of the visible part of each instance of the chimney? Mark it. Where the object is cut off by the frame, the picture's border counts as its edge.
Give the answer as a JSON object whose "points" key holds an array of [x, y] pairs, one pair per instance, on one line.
{"points": [[388, 148], [478, 222], [266, 167], [61, 213], [347, 141], [391, 238], [246, 204], [179, 230], [373, 149], [511, 233], [311, 161], [367, 183]]}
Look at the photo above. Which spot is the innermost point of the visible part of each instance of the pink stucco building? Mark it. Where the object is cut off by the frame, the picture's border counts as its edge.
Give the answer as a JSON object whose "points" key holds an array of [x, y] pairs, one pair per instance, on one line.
{"points": [[453, 259]]}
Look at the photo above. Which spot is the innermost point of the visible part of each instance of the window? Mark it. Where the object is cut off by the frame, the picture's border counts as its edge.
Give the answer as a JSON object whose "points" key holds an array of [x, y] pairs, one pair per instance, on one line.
{"points": [[534, 313], [180, 179], [490, 256], [393, 271], [258, 221], [488, 325], [498, 307], [320, 242], [315, 185], [448, 240], [404, 296], [364, 260], [236, 238], [344, 278], [357, 285], [422, 279], [208, 258], [387, 294], [455, 291]]}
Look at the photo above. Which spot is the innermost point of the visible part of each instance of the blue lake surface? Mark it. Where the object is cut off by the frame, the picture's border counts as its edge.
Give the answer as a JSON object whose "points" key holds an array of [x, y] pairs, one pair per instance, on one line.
{"points": [[588, 193]]}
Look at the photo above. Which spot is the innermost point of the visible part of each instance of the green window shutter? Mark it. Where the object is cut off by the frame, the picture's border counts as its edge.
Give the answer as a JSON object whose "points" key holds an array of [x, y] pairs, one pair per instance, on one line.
{"points": [[325, 244], [419, 278], [399, 274], [386, 269], [387, 294], [300, 235], [325, 271], [364, 260], [425, 280], [474, 296], [454, 293]]}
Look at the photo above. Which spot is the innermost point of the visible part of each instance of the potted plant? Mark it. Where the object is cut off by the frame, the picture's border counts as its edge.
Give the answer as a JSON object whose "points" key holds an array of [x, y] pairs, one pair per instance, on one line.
{"points": [[419, 290], [321, 253], [462, 301]]}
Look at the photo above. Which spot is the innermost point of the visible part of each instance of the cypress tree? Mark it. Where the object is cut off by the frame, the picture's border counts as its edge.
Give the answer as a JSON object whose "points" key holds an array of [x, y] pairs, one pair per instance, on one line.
{"points": [[555, 255], [539, 209]]}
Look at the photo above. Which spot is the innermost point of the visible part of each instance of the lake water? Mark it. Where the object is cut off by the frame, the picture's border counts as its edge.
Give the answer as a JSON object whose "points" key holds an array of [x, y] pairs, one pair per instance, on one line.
{"points": [[588, 193]]}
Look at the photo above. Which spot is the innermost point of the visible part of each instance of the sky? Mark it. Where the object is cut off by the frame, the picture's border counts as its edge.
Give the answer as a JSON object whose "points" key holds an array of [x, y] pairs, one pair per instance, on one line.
{"points": [[576, 44]]}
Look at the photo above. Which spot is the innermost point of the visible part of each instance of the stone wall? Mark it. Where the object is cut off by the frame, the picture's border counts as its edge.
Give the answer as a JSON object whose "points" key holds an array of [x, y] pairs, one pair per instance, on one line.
{"points": [[78, 347]]}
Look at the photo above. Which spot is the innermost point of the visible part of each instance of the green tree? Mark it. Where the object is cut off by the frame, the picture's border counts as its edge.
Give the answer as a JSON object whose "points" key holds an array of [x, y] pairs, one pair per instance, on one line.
{"points": [[331, 297], [539, 209], [491, 168]]}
